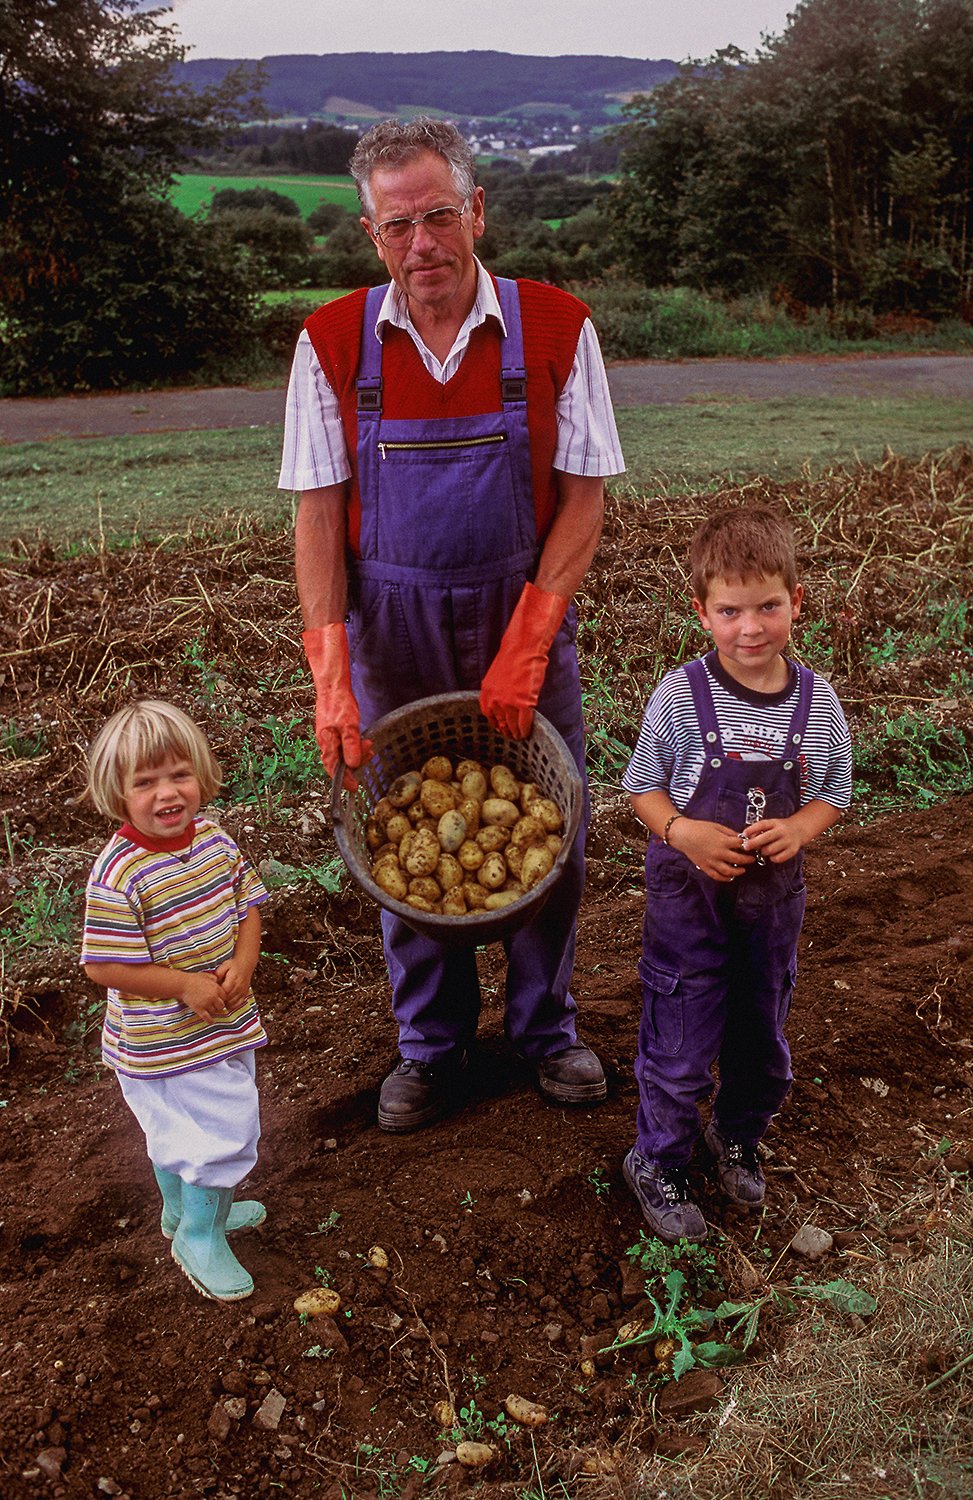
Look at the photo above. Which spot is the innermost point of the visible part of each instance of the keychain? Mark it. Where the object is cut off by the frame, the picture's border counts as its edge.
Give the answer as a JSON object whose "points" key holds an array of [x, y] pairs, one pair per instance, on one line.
{"points": [[756, 804]]}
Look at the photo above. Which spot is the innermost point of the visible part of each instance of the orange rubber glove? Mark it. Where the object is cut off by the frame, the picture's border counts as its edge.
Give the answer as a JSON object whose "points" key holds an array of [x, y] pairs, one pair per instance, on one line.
{"points": [[337, 721], [512, 685]]}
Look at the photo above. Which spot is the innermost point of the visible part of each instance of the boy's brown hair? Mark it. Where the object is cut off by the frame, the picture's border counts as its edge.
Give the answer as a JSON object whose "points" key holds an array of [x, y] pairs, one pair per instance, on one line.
{"points": [[144, 734], [749, 541]]}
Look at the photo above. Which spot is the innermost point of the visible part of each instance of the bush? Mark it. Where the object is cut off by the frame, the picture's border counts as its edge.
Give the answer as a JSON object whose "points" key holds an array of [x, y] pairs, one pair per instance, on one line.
{"points": [[231, 200], [327, 216], [277, 248]]}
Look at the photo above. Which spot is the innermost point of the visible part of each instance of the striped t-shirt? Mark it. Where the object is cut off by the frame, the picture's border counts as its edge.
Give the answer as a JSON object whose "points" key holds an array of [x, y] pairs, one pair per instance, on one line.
{"points": [[179, 905], [669, 754]]}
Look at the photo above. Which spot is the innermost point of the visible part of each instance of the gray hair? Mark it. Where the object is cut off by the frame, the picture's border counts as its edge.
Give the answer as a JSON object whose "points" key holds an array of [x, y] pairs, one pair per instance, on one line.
{"points": [[392, 143]]}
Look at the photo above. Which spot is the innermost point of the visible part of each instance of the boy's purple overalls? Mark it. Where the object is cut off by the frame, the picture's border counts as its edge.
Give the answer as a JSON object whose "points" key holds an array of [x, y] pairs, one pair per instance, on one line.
{"points": [[448, 539], [719, 960]]}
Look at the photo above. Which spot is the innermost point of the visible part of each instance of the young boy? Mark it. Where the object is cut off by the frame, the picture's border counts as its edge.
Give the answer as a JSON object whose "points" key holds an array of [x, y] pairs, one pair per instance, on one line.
{"points": [[172, 931], [743, 758]]}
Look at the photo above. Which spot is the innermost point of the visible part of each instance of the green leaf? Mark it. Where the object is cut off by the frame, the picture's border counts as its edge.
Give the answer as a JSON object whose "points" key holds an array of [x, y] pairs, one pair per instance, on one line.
{"points": [[845, 1297], [711, 1354]]}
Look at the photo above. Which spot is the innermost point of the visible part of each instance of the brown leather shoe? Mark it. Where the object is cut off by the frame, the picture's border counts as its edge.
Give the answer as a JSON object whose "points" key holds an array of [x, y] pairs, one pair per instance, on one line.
{"points": [[416, 1093], [572, 1076]]}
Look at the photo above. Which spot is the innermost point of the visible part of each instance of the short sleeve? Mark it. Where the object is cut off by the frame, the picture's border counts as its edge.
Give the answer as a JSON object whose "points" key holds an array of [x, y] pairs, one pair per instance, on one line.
{"points": [[112, 930]]}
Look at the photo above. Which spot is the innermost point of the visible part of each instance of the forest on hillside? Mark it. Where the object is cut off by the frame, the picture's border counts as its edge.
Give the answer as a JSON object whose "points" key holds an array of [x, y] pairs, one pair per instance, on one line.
{"points": [[460, 83]]}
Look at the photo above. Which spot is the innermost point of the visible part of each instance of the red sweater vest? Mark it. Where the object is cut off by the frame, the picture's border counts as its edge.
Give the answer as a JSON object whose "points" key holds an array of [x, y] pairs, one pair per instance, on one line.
{"points": [[552, 322]]}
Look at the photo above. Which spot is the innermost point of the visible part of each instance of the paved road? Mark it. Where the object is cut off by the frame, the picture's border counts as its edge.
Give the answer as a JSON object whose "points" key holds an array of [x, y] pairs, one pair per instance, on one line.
{"points": [[642, 383]]}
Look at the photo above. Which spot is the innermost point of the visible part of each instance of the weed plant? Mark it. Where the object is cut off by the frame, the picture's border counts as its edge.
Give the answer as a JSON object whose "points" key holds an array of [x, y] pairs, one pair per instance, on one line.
{"points": [[637, 322], [41, 915]]}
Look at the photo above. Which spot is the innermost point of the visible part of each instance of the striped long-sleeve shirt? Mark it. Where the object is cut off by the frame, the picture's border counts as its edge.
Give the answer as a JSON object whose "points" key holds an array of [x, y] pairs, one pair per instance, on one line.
{"points": [[178, 908], [669, 754]]}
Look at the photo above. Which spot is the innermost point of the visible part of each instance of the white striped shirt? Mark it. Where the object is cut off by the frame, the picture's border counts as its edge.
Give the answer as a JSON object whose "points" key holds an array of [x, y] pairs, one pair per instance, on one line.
{"points": [[315, 453], [669, 754]]}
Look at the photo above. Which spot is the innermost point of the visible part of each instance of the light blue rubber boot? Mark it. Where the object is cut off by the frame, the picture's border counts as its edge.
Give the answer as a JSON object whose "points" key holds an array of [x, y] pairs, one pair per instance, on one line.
{"points": [[245, 1215], [199, 1245]]}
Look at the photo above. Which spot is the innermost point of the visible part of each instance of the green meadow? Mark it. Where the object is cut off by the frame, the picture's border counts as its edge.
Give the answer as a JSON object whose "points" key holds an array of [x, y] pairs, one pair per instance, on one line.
{"points": [[194, 191]]}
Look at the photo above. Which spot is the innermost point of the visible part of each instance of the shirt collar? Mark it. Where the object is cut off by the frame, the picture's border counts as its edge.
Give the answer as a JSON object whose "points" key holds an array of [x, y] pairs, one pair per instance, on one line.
{"points": [[395, 309]]}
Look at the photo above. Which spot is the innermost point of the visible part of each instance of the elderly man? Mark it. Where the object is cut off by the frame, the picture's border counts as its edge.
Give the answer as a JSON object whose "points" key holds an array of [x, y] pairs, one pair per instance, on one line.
{"points": [[449, 434]]}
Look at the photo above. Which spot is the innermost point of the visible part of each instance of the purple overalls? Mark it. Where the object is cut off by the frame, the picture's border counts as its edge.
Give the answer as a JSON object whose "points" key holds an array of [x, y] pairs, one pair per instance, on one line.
{"points": [[719, 961], [448, 539]]}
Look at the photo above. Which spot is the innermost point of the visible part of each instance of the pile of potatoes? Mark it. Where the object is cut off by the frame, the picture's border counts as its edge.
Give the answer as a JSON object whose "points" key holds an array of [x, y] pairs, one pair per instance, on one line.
{"points": [[463, 838]]}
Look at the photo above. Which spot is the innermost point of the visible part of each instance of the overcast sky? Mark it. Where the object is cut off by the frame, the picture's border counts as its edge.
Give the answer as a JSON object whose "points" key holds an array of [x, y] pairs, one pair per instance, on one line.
{"points": [[617, 28]]}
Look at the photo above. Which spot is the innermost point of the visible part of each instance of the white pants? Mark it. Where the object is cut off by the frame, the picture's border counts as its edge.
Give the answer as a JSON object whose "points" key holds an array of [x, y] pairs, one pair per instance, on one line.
{"points": [[203, 1126]]}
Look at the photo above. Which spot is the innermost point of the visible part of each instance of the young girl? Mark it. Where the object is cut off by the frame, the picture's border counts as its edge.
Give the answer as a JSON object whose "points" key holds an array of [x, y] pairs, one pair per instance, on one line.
{"points": [[172, 931]]}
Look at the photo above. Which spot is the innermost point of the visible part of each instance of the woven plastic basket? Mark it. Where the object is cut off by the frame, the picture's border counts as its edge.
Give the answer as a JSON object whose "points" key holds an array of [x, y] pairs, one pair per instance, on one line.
{"points": [[451, 724]]}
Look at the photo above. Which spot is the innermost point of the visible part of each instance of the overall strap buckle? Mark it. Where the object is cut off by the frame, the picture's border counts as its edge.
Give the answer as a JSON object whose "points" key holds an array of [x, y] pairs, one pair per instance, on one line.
{"points": [[369, 394]]}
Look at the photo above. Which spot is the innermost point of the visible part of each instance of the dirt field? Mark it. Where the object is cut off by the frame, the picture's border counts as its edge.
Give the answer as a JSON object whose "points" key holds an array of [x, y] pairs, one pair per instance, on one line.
{"points": [[505, 1225]]}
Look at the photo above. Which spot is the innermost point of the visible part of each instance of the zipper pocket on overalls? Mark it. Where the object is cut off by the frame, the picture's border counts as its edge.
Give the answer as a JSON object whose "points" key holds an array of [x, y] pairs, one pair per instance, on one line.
{"points": [[433, 443]]}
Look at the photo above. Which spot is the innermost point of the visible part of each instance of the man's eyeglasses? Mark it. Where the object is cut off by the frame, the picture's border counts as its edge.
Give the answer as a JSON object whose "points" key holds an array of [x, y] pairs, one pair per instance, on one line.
{"points": [[395, 232]]}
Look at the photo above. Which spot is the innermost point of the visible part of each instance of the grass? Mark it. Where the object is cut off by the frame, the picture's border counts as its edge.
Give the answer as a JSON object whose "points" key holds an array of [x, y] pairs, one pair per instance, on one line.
{"points": [[150, 485], [194, 190], [687, 448], [157, 484], [853, 1410]]}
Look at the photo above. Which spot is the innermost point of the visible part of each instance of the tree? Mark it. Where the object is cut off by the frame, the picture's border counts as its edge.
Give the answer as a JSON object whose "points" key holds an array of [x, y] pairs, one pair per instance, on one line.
{"points": [[835, 164], [102, 281]]}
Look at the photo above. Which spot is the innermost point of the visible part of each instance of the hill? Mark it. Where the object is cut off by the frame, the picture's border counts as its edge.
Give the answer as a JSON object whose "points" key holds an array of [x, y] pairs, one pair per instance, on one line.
{"points": [[464, 84]]}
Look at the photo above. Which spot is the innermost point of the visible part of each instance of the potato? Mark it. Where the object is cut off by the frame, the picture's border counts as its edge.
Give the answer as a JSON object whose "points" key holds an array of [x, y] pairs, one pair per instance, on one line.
{"points": [[492, 838], [528, 792], [470, 855], [449, 873], [554, 842], [378, 1258], [475, 895], [527, 831], [382, 811], [451, 831], [454, 902], [438, 768], [474, 784], [397, 827], [419, 903], [415, 812], [548, 812], [423, 852], [405, 789], [514, 856], [426, 887], [474, 1455], [437, 797], [374, 834], [387, 851], [499, 811], [496, 900], [391, 880], [469, 809], [319, 1302], [465, 766], [504, 783], [493, 872], [526, 1413], [537, 863], [445, 1414]]}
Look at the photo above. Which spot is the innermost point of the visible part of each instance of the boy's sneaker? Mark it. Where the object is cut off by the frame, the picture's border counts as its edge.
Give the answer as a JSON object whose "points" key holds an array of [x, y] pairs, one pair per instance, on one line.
{"points": [[663, 1195], [736, 1161]]}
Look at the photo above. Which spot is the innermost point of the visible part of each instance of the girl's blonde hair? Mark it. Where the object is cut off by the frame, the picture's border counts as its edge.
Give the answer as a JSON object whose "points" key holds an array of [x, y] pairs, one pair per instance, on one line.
{"points": [[144, 734]]}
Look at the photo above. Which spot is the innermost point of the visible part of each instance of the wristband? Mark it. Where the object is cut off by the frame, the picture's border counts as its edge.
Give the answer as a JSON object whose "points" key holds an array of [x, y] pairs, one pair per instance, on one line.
{"points": [[669, 823]]}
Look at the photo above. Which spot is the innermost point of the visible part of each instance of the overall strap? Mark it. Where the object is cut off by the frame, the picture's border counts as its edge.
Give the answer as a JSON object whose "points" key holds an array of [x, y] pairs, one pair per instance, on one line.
{"points": [[703, 704], [798, 725], [513, 370], [369, 381]]}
